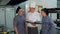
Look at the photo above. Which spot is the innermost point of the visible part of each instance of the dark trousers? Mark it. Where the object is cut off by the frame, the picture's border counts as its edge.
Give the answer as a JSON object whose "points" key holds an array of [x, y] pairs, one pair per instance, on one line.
{"points": [[32, 30]]}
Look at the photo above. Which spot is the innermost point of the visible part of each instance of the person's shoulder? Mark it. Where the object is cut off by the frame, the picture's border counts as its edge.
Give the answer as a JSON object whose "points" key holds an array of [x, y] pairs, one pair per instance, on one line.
{"points": [[23, 16], [49, 18], [36, 13], [16, 16]]}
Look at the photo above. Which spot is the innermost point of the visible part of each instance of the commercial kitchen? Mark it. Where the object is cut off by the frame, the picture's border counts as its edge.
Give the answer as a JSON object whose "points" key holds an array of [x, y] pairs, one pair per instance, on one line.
{"points": [[8, 12]]}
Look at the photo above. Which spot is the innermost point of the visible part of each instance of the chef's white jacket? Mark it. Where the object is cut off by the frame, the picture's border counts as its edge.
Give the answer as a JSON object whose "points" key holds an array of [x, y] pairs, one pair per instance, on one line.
{"points": [[33, 17]]}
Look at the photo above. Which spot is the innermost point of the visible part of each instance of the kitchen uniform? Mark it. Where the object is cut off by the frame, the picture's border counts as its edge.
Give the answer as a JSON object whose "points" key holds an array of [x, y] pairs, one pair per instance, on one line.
{"points": [[48, 26], [19, 23], [33, 17]]}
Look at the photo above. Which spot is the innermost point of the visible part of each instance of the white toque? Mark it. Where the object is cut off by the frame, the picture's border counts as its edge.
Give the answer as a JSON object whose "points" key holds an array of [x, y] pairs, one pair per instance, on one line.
{"points": [[33, 4]]}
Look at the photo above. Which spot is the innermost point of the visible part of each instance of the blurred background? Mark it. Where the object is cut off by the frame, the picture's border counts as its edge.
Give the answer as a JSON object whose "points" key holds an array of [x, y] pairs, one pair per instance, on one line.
{"points": [[8, 12]]}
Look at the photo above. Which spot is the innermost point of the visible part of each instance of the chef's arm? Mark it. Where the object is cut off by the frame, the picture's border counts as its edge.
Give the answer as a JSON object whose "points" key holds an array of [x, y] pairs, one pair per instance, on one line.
{"points": [[27, 21], [38, 22], [16, 30]]}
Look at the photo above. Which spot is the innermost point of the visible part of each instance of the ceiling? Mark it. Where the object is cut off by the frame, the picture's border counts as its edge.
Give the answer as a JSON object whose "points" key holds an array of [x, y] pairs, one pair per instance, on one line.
{"points": [[11, 2], [58, 0], [15, 2], [4, 2]]}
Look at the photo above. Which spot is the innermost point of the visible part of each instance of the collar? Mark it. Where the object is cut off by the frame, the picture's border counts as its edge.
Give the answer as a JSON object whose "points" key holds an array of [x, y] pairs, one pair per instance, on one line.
{"points": [[45, 16]]}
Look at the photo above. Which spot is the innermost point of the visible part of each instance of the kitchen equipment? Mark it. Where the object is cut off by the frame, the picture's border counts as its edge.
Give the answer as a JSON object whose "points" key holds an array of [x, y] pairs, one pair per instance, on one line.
{"points": [[1, 28], [5, 33]]}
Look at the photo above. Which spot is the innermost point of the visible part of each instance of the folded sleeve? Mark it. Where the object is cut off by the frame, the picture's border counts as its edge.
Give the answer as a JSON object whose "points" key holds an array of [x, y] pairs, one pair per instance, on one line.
{"points": [[15, 22]]}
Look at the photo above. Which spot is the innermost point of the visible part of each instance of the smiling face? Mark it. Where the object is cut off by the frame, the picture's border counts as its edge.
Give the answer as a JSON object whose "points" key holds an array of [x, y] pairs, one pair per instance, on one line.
{"points": [[20, 12], [32, 9]]}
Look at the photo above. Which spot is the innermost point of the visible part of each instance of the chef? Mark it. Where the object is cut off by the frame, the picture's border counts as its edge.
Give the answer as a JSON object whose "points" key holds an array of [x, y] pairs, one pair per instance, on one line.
{"points": [[32, 17]]}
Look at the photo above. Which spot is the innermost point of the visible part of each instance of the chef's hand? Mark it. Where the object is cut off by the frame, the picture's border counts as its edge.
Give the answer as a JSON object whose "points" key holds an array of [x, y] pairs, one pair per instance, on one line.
{"points": [[25, 20], [33, 23]]}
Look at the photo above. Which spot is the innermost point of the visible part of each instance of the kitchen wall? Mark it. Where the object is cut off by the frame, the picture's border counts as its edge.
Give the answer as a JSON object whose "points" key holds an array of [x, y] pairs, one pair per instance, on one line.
{"points": [[7, 14], [58, 3], [46, 3]]}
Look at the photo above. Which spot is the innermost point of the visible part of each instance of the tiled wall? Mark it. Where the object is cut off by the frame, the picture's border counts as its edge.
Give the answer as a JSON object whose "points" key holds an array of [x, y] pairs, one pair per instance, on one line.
{"points": [[58, 4], [46, 3], [6, 16]]}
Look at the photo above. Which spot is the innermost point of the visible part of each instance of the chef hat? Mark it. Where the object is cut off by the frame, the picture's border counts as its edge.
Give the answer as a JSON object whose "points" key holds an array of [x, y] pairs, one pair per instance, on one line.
{"points": [[33, 4]]}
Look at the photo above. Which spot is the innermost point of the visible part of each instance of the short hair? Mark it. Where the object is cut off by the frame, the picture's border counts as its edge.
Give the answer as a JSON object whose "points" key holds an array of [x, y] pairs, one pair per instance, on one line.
{"points": [[45, 10], [18, 9]]}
